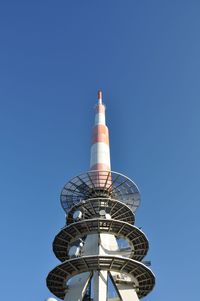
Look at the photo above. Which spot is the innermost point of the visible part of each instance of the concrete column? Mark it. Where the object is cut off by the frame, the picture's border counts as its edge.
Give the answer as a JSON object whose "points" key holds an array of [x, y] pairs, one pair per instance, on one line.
{"points": [[100, 279], [127, 293]]}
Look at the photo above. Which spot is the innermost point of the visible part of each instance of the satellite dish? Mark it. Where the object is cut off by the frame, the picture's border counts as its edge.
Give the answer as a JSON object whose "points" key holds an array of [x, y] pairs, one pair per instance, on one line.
{"points": [[102, 212], [77, 215], [50, 299]]}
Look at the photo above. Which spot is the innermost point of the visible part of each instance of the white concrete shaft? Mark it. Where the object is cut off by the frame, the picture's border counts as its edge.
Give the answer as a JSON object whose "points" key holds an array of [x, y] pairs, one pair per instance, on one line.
{"points": [[127, 292], [100, 280], [99, 244]]}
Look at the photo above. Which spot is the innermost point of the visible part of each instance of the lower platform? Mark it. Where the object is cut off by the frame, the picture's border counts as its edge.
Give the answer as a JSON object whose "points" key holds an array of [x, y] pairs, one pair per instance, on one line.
{"points": [[58, 277]]}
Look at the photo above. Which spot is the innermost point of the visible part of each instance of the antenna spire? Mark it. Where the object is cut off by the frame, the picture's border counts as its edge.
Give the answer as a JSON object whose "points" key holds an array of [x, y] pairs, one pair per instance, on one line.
{"points": [[100, 97], [100, 149]]}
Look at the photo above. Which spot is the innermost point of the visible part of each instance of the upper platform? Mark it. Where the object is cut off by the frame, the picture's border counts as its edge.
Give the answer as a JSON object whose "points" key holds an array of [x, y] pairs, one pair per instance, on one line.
{"points": [[95, 184]]}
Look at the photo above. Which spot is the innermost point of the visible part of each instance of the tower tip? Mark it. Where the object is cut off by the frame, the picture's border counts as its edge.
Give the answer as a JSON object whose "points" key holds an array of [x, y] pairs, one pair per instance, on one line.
{"points": [[100, 96]]}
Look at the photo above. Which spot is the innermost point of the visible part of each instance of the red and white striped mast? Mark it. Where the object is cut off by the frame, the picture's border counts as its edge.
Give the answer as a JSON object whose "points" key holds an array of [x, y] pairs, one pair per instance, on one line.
{"points": [[100, 149]]}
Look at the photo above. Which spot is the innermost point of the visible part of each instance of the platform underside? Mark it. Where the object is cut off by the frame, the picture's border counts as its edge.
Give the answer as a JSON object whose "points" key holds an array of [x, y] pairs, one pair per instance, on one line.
{"points": [[94, 184], [91, 208], [58, 277], [69, 234]]}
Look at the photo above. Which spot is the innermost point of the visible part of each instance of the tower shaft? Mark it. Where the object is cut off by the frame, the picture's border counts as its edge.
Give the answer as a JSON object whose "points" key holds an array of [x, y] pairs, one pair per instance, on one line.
{"points": [[100, 242]]}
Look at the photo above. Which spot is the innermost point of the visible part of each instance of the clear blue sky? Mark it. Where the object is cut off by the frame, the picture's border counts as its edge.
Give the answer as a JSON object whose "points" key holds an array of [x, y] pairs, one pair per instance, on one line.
{"points": [[54, 56]]}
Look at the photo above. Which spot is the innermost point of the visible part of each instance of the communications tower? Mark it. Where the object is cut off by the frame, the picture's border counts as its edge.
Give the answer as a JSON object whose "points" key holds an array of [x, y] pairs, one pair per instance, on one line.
{"points": [[100, 243]]}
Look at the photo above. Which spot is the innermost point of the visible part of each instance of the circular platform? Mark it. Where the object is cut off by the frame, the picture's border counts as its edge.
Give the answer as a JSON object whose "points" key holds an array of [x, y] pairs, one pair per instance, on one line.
{"points": [[73, 232], [58, 277], [91, 208], [94, 184]]}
